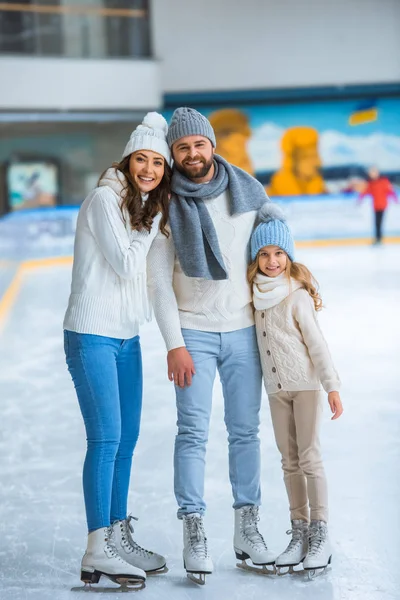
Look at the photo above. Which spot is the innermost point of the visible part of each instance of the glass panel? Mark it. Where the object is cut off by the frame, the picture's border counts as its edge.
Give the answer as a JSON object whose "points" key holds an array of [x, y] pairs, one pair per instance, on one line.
{"points": [[76, 28], [49, 35], [17, 32]]}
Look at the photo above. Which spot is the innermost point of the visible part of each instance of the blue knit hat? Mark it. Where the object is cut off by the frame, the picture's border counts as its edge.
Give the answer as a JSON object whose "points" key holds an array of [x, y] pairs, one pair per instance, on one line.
{"points": [[188, 121], [272, 231]]}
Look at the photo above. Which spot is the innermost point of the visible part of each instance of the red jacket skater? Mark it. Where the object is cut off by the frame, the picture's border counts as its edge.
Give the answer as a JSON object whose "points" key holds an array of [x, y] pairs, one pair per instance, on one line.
{"points": [[380, 189]]}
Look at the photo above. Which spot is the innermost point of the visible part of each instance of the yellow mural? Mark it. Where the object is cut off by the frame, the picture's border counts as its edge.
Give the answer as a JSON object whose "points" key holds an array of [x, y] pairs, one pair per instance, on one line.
{"points": [[301, 162], [299, 173], [233, 132]]}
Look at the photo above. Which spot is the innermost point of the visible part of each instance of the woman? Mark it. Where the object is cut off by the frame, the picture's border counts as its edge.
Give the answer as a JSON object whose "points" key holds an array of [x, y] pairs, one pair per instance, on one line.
{"points": [[116, 226]]}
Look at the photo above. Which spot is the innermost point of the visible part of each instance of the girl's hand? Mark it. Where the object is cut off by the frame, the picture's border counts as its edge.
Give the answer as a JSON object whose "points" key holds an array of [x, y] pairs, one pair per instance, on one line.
{"points": [[336, 404]]}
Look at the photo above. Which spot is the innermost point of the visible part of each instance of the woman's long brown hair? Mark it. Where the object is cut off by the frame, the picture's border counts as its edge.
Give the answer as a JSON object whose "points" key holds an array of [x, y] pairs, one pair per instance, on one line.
{"points": [[141, 214], [298, 272]]}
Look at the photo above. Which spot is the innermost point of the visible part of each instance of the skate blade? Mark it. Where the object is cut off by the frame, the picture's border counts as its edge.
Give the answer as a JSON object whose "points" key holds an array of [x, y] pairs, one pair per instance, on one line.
{"points": [[259, 569], [290, 570], [89, 588], [314, 573], [318, 571], [157, 571], [198, 578]]}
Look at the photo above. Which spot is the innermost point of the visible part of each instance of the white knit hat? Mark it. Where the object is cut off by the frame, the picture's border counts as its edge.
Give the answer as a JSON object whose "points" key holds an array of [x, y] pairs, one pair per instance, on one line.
{"points": [[150, 135]]}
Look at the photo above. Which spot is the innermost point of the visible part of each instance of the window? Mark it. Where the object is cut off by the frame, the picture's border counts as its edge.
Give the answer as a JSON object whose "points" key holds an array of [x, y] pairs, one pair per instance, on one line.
{"points": [[96, 29], [129, 36]]}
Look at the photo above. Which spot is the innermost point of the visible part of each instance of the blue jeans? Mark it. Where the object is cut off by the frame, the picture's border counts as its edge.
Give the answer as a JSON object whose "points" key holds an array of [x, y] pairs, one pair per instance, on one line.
{"points": [[236, 356], [107, 374]]}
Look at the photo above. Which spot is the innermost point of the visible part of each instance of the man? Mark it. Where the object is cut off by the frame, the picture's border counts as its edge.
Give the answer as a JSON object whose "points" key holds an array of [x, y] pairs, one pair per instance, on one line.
{"points": [[202, 302], [380, 188]]}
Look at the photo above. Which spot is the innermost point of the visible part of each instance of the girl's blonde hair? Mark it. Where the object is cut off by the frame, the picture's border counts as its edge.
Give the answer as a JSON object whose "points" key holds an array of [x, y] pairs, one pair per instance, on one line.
{"points": [[296, 271]]}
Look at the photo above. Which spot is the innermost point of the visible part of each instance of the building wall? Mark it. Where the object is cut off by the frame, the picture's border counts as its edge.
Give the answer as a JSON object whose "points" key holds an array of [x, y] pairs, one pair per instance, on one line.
{"points": [[79, 84], [77, 56], [226, 45], [81, 150]]}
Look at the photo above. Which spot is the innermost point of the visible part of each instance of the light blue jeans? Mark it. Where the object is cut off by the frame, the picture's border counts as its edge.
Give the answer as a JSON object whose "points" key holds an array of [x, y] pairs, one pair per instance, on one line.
{"points": [[107, 374], [235, 355]]}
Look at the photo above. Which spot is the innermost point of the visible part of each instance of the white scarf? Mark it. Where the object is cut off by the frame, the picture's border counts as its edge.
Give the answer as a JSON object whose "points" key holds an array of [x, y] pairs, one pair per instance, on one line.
{"points": [[270, 291]]}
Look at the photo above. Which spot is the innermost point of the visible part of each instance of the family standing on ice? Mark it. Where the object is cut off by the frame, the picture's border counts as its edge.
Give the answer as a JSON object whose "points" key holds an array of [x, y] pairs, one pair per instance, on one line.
{"points": [[181, 240]]}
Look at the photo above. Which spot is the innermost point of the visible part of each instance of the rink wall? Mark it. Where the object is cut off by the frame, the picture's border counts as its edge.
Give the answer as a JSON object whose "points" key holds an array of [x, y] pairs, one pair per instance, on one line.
{"points": [[29, 240], [46, 234], [38, 238]]}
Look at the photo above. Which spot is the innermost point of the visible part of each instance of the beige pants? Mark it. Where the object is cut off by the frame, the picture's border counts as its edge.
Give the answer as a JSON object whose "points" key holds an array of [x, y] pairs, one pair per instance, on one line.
{"points": [[296, 417]]}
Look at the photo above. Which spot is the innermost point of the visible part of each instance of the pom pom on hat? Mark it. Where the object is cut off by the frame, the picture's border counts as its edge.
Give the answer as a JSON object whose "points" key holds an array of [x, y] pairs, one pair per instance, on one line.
{"points": [[272, 230], [270, 211], [151, 134], [153, 120]]}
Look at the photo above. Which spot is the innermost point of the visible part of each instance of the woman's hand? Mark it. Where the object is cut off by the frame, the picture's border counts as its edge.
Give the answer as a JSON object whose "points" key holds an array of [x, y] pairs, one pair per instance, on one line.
{"points": [[336, 404]]}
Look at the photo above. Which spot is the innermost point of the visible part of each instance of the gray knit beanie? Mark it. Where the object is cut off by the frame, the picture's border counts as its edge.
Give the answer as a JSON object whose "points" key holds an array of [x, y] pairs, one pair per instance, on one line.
{"points": [[187, 121], [272, 231]]}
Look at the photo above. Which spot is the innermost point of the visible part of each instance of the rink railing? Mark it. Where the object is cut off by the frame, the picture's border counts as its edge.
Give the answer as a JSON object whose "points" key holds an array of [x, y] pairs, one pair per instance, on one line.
{"points": [[39, 238]]}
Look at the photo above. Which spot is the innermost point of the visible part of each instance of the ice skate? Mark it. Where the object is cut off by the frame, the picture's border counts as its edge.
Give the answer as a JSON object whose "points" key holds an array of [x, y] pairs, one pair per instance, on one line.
{"points": [[196, 559], [102, 558], [296, 551], [319, 554], [249, 543], [134, 554]]}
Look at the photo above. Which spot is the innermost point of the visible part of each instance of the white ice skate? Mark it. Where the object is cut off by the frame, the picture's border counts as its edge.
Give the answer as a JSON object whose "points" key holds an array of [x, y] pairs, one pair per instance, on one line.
{"points": [[196, 559], [319, 554], [296, 551], [102, 558], [249, 543], [134, 554]]}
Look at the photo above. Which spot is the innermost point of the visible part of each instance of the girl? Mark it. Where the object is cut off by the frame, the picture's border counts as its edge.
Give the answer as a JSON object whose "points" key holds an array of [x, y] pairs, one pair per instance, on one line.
{"points": [[295, 359], [116, 226]]}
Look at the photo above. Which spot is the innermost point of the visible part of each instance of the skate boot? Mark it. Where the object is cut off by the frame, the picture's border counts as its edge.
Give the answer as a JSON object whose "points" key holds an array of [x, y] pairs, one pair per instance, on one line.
{"points": [[319, 554], [249, 543], [134, 554], [196, 559], [296, 551], [102, 558]]}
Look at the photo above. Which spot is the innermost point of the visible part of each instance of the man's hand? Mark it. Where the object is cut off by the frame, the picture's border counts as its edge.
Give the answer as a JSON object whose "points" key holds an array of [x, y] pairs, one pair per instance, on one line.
{"points": [[180, 366], [336, 404]]}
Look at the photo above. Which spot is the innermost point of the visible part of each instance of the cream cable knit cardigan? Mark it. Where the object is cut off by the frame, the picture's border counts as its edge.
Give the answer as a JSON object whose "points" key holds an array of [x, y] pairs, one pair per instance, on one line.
{"points": [[293, 350], [108, 291]]}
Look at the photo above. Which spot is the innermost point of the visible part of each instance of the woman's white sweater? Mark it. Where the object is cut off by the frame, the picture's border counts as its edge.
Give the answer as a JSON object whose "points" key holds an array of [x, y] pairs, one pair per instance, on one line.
{"points": [[108, 291], [293, 350]]}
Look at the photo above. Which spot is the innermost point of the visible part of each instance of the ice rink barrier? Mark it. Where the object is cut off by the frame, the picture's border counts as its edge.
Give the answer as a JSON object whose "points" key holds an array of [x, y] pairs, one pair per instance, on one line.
{"points": [[336, 218], [48, 233], [38, 233], [32, 238]]}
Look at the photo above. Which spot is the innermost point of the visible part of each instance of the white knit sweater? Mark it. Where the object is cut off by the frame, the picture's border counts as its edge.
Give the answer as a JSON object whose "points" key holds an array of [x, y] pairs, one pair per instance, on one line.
{"points": [[293, 350], [108, 291], [196, 303]]}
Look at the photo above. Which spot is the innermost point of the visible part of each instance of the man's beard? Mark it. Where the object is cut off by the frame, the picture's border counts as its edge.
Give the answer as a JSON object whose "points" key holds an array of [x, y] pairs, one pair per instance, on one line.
{"points": [[194, 173]]}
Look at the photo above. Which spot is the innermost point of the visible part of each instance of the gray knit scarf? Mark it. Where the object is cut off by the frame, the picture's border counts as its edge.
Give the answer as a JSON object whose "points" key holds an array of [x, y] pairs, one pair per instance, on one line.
{"points": [[192, 228]]}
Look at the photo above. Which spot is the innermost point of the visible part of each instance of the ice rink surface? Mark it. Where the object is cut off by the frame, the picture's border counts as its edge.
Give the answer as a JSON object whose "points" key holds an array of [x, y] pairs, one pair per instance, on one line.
{"points": [[42, 446]]}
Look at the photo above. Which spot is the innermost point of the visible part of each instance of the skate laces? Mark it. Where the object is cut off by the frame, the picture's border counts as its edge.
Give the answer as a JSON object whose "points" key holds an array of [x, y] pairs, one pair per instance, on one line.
{"points": [[297, 534], [249, 520], [316, 537], [127, 539], [197, 536], [112, 549]]}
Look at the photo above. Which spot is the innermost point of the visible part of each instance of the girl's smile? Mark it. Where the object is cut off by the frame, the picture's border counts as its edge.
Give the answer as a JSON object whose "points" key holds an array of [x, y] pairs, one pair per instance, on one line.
{"points": [[272, 261]]}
